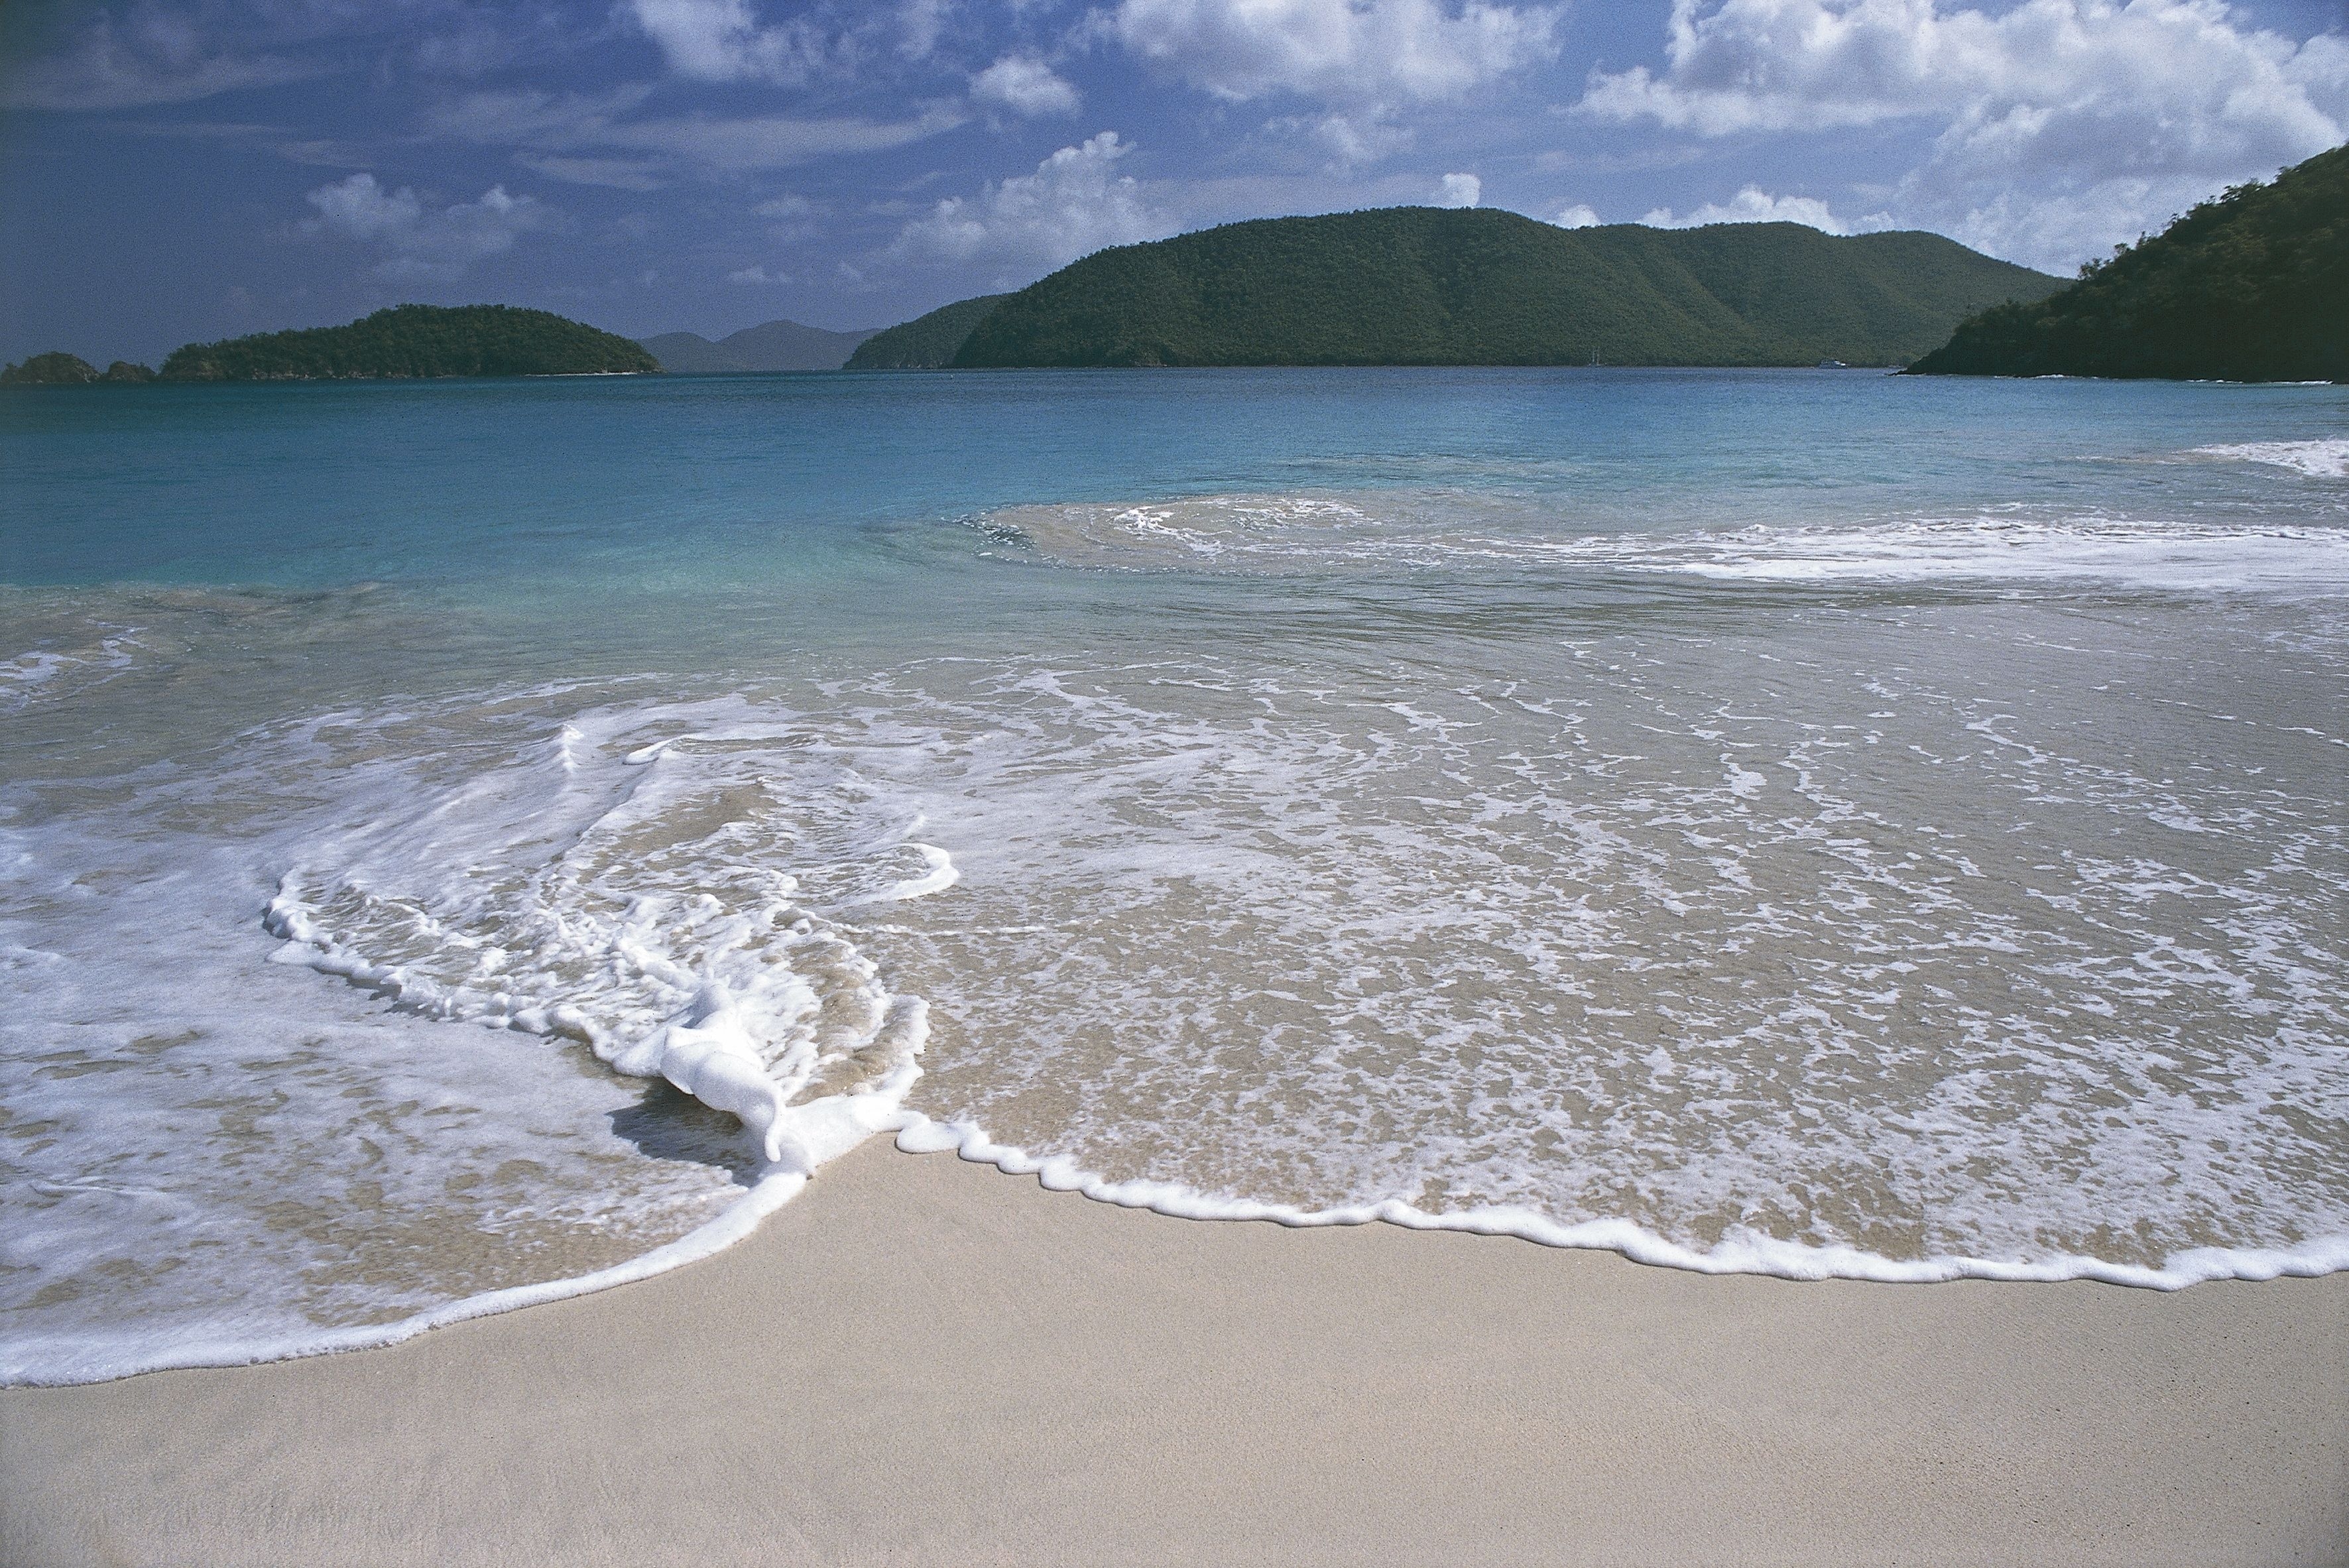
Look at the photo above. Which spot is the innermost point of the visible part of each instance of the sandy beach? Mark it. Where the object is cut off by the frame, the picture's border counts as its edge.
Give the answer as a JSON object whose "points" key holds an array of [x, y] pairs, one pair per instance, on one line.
{"points": [[926, 1361]]}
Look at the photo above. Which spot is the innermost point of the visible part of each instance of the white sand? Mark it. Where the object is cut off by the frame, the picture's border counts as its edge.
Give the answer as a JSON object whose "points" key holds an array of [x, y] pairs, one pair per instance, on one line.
{"points": [[924, 1361]]}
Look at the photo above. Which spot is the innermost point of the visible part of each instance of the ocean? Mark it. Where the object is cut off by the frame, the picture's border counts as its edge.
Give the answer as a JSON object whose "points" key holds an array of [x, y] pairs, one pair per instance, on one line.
{"points": [[464, 843]]}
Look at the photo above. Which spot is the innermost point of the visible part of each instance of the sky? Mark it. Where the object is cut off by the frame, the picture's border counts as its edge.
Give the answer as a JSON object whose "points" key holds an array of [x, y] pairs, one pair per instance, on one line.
{"points": [[182, 171]]}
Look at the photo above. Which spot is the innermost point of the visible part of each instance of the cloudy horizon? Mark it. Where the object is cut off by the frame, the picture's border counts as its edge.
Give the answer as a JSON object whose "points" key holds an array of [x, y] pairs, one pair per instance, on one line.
{"points": [[183, 171]]}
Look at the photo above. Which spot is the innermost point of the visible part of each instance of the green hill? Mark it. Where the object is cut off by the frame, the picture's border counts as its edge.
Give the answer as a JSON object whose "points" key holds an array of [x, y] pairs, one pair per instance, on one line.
{"points": [[417, 340], [61, 369], [2253, 286], [926, 342], [55, 369], [1422, 285]]}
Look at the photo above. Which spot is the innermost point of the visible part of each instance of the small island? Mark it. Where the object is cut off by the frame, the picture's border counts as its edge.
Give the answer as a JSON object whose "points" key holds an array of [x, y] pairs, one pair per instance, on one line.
{"points": [[418, 341], [401, 343], [73, 370], [2252, 286]]}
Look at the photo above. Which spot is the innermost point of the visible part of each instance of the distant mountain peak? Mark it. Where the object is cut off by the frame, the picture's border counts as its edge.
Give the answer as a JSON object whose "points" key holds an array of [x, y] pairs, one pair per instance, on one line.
{"points": [[769, 347]]}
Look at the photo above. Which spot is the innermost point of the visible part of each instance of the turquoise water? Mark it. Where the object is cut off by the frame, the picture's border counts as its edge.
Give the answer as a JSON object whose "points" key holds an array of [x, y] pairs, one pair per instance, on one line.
{"points": [[465, 837]]}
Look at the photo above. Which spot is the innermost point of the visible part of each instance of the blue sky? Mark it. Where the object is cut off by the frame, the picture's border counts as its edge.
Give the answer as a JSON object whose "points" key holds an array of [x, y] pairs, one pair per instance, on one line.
{"points": [[180, 171]]}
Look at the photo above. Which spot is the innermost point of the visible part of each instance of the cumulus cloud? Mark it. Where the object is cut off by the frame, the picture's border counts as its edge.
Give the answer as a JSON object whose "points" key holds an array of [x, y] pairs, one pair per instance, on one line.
{"points": [[1577, 215], [729, 41], [2063, 124], [1026, 87], [1755, 205], [1459, 190], [723, 41], [418, 239], [1340, 50], [1074, 204]]}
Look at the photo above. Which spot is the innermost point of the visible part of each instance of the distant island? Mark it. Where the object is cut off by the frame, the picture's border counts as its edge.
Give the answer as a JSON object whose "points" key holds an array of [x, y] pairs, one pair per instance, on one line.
{"points": [[1422, 286], [2253, 287], [926, 342], [769, 347], [72, 370], [418, 341]]}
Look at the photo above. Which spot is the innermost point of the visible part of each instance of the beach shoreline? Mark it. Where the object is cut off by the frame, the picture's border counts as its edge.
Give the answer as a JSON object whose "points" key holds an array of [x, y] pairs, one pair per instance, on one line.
{"points": [[922, 1360]]}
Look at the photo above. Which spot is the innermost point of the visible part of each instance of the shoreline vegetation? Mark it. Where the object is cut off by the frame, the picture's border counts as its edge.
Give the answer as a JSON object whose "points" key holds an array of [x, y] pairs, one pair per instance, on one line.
{"points": [[2251, 285]]}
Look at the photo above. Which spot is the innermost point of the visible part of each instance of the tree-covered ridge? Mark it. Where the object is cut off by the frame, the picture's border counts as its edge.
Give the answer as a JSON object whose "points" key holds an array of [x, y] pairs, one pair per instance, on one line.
{"points": [[60, 369], [926, 342], [2253, 287], [418, 340], [1418, 285]]}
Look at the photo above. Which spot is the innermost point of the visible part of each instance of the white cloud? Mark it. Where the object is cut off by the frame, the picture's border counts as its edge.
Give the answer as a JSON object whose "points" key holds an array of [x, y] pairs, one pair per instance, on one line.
{"points": [[758, 276], [722, 41], [1341, 51], [769, 141], [920, 23], [1074, 204], [418, 239], [1755, 205], [1577, 215], [1349, 140], [1459, 190], [1024, 86], [2062, 124], [546, 123]]}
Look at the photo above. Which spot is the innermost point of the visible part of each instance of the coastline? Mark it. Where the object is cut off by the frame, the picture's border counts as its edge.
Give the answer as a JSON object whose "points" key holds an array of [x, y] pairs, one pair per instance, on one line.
{"points": [[922, 1360]]}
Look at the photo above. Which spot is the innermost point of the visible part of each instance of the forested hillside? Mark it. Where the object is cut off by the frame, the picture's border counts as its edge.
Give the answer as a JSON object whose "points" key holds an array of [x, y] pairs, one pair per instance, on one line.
{"points": [[1435, 286], [417, 340], [2251, 286], [926, 342]]}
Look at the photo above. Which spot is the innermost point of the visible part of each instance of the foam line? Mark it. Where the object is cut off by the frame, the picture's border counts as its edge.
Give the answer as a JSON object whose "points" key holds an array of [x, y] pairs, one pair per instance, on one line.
{"points": [[1740, 1254], [816, 1134]]}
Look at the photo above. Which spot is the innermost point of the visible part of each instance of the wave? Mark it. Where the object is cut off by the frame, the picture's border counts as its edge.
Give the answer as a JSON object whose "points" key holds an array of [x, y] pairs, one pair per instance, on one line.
{"points": [[672, 907], [51, 674], [2319, 459], [2005, 546], [664, 934], [1555, 941]]}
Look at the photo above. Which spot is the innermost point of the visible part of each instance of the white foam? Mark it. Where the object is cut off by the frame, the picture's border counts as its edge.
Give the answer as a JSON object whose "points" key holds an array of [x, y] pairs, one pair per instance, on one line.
{"points": [[2186, 557], [814, 1134], [48, 673], [940, 876], [546, 888], [2320, 459], [2003, 544], [1740, 1251], [1976, 940]]}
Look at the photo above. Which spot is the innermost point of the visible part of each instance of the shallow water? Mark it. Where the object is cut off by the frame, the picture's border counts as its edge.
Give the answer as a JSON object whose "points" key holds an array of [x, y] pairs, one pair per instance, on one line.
{"points": [[1810, 822]]}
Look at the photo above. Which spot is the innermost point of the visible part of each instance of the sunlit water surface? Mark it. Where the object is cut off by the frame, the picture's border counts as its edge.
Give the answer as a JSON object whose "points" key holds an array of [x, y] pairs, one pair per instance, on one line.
{"points": [[1813, 823]]}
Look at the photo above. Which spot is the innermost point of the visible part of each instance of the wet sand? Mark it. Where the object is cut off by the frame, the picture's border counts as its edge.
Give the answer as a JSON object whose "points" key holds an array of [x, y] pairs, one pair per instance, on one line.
{"points": [[926, 1361]]}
